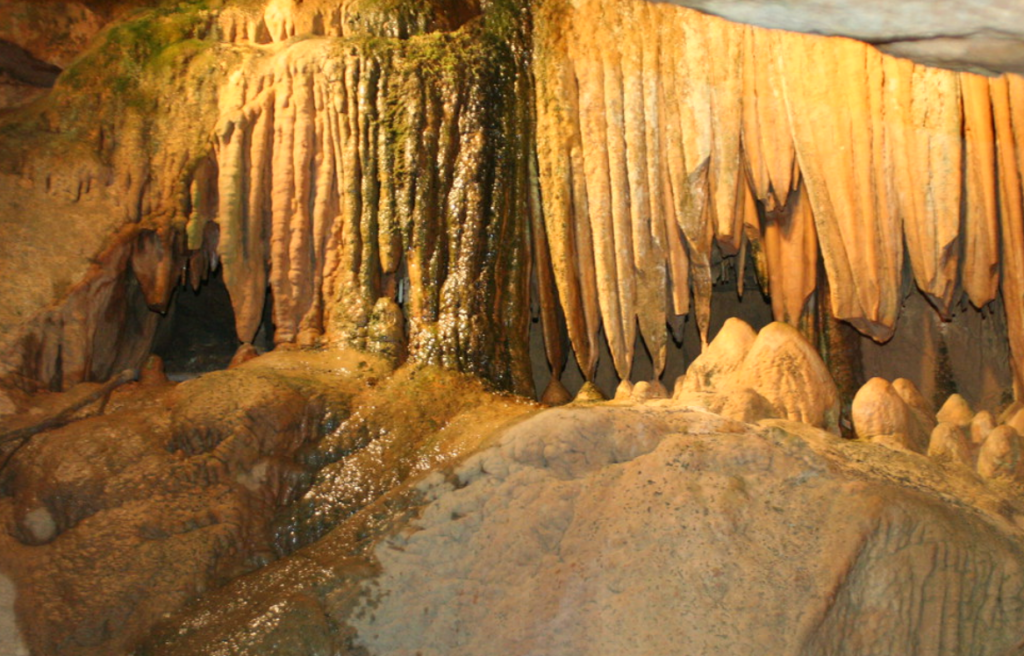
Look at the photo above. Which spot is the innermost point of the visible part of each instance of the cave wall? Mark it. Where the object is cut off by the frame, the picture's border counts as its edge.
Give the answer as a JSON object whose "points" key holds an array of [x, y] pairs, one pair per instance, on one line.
{"points": [[432, 165], [668, 138]]}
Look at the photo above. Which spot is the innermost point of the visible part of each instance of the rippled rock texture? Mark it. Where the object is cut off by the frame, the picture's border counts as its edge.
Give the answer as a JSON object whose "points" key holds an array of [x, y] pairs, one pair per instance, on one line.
{"points": [[114, 521], [638, 529]]}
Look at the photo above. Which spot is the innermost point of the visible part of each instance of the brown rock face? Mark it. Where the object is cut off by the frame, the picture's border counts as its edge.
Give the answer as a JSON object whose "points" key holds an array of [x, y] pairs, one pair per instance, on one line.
{"points": [[1000, 455], [115, 520], [948, 444], [528, 549]]}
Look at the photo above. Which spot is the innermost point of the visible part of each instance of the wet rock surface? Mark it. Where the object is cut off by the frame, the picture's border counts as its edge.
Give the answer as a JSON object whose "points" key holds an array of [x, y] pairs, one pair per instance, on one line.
{"points": [[114, 520], [648, 529]]}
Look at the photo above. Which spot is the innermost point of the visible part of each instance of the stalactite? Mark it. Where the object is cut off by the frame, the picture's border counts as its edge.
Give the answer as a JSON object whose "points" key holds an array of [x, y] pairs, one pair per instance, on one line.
{"points": [[1007, 95], [647, 201], [981, 212], [767, 141], [725, 79], [693, 202], [596, 169], [673, 171], [240, 245], [830, 101], [926, 108], [791, 247], [620, 125], [556, 113]]}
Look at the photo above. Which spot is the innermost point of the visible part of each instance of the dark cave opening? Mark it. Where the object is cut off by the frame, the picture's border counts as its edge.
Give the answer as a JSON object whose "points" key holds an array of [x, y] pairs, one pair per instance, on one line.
{"points": [[198, 333]]}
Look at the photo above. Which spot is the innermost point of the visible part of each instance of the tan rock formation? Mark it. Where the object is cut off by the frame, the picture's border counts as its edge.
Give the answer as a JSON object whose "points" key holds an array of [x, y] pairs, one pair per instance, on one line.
{"points": [[949, 444], [714, 369], [852, 572], [957, 411], [1000, 455], [981, 425], [879, 412], [785, 369]]}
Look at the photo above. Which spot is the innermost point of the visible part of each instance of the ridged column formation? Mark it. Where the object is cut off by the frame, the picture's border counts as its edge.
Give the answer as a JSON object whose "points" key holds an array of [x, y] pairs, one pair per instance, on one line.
{"points": [[664, 134]]}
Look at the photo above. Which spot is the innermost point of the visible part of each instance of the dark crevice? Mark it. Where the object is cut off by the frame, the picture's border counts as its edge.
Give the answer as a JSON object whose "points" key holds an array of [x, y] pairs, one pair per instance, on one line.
{"points": [[18, 64]]}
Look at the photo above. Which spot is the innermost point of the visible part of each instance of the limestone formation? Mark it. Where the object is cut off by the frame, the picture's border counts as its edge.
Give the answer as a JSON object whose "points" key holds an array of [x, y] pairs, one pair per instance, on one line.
{"points": [[748, 406], [416, 182], [879, 412], [1000, 455], [912, 396], [948, 444], [785, 369], [555, 541], [957, 411], [714, 368], [981, 425], [624, 391]]}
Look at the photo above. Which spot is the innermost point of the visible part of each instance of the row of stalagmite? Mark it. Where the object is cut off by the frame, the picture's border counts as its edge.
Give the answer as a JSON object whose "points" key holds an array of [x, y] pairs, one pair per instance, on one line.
{"points": [[750, 376], [898, 416], [663, 134], [753, 376]]}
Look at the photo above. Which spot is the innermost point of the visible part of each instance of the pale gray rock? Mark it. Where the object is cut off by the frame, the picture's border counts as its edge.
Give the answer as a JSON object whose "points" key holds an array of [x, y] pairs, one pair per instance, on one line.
{"points": [[981, 35]]}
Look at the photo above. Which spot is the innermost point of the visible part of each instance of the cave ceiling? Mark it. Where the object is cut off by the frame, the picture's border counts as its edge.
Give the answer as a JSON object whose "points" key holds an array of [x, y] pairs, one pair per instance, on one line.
{"points": [[980, 35]]}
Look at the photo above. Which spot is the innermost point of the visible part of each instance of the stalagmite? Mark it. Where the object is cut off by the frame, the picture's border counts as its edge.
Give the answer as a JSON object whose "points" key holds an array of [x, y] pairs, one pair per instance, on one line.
{"points": [[981, 425], [1000, 455], [948, 444], [714, 369], [981, 209], [787, 371], [831, 92], [880, 415], [956, 411]]}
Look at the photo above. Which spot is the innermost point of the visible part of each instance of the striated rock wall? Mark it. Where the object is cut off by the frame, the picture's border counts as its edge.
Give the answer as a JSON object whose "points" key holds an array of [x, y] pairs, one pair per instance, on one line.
{"points": [[377, 158], [461, 166], [668, 138]]}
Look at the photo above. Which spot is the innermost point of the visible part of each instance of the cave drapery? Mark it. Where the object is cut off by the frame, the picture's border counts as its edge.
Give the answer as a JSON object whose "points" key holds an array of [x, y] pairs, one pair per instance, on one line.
{"points": [[366, 159]]}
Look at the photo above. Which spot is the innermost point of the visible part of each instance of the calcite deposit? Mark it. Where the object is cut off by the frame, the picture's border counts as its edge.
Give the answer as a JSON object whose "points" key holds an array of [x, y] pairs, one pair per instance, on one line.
{"points": [[408, 219]]}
